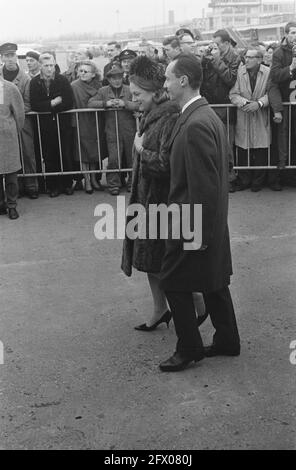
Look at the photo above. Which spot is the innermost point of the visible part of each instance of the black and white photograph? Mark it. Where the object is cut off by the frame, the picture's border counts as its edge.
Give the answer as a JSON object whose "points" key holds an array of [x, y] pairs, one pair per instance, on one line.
{"points": [[148, 227]]}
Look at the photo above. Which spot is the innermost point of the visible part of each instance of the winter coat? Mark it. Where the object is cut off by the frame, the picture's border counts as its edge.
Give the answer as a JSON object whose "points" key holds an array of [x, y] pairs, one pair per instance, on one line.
{"points": [[126, 120], [12, 118], [252, 129], [150, 184], [83, 92], [275, 97], [199, 159], [41, 102], [22, 81], [280, 71]]}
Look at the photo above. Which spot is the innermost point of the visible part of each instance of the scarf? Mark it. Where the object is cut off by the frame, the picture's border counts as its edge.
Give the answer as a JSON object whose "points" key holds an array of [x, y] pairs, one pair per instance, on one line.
{"points": [[9, 75]]}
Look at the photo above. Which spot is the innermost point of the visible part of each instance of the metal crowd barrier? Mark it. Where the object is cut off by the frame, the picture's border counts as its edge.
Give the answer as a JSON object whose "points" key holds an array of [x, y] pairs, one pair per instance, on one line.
{"points": [[97, 112]]}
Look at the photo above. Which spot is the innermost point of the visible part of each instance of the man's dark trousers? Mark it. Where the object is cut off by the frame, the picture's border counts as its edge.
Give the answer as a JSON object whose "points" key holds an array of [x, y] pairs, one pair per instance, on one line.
{"points": [[220, 307]]}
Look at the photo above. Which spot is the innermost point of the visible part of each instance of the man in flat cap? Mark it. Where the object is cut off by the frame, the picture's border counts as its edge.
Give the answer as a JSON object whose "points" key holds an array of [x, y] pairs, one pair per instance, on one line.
{"points": [[117, 96], [125, 58], [12, 73]]}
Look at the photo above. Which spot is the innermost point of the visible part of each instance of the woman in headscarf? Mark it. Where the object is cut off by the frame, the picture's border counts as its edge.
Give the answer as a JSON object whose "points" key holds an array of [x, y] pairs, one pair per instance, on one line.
{"points": [[84, 88], [151, 176]]}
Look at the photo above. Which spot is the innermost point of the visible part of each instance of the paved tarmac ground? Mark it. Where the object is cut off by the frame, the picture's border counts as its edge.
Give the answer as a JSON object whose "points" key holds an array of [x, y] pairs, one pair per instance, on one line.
{"points": [[76, 375]]}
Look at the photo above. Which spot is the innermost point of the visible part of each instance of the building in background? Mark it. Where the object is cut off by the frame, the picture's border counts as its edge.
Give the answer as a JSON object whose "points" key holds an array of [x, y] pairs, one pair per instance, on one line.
{"points": [[242, 13]]}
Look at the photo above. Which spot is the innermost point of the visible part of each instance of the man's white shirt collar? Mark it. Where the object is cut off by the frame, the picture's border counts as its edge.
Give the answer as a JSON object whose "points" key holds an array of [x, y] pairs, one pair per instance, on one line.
{"points": [[198, 97]]}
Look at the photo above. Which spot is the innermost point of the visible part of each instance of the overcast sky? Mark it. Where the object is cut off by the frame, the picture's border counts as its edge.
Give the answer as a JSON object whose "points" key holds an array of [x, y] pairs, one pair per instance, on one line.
{"points": [[35, 18]]}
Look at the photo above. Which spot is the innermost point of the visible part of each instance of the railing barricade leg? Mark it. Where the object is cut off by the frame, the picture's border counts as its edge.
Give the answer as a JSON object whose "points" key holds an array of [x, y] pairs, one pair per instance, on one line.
{"points": [[98, 140], [78, 140], [117, 140], [60, 143]]}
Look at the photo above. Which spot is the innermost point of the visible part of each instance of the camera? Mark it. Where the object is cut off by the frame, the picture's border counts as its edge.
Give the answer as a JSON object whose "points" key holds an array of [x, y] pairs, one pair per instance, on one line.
{"points": [[208, 51]]}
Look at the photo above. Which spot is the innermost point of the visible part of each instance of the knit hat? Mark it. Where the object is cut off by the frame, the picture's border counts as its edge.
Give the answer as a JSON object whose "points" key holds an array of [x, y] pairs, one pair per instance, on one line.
{"points": [[147, 74], [35, 55]]}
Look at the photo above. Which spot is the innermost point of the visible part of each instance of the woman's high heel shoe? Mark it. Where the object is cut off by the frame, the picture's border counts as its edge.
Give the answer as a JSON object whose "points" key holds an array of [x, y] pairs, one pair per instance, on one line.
{"points": [[166, 318]]}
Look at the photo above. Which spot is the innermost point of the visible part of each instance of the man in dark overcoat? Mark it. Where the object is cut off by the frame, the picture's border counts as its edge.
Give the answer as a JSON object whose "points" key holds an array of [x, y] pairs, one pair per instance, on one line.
{"points": [[51, 93], [199, 175]]}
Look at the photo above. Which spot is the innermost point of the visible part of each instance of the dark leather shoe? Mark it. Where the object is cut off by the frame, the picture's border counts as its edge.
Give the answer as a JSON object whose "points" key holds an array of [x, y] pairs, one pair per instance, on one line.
{"points": [[242, 186], [177, 363], [114, 192], [54, 193], [69, 191], [232, 187], [213, 351], [256, 189], [3, 211], [13, 214], [276, 186], [33, 195]]}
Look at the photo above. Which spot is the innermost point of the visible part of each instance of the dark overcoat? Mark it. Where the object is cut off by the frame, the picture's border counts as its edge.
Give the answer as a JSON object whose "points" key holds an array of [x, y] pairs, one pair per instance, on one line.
{"points": [[87, 148], [199, 175], [41, 98], [150, 185]]}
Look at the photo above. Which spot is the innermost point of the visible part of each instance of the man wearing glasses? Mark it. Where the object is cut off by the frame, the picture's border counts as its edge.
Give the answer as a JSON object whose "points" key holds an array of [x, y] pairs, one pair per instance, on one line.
{"points": [[252, 131]]}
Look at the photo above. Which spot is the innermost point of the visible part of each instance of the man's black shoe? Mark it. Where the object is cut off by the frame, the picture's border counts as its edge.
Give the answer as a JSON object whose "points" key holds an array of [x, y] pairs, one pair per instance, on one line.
{"points": [[3, 211], [212, 351], [177, 362], [69, 191], [242, 186], [13, 214], [33, 195], [54, 193], [276, 186], [256, 188], [232, 187]]}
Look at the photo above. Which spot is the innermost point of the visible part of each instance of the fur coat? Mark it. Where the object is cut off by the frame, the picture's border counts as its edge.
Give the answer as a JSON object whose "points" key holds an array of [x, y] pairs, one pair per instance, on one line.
{"points": [[151, 177]]}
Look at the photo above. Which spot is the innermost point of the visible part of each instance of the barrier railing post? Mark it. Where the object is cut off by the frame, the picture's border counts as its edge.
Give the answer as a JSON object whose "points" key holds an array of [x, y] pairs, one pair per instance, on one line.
{"points": [[60, 143], [79, 141], [228, 124], [290, 134], [98, 140], [117, 139], [269, 136], [249, 139], [22, 153]]}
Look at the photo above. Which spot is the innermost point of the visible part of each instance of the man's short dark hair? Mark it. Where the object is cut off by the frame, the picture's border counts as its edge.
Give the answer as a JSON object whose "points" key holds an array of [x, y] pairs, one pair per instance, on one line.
{"points": [[189, 65], [291, 24], [172, 41]]}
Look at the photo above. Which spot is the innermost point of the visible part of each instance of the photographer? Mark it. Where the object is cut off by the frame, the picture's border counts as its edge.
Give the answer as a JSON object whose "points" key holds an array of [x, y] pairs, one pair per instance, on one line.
{"points": [[283, 76], [220, 66]]}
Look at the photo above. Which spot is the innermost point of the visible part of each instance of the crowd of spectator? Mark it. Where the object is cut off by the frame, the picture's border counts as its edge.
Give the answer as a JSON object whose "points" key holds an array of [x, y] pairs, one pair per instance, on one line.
{"points": [[253, 84]]}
